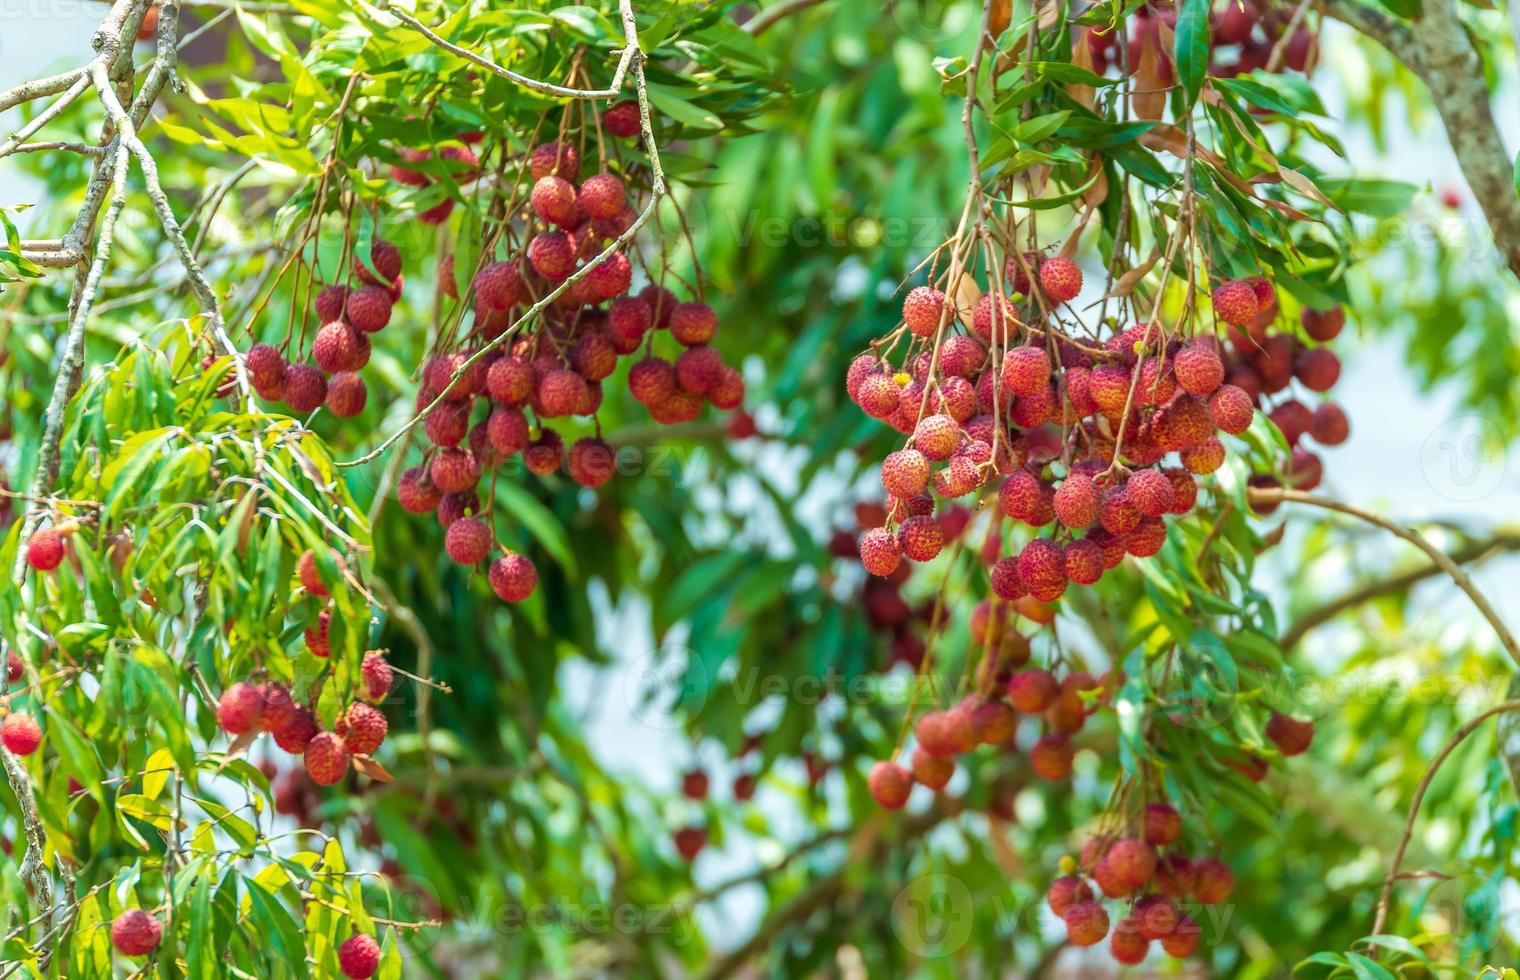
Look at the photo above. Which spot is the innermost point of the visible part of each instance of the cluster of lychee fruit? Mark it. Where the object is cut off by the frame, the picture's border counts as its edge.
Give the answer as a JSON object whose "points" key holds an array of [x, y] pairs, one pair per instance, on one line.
{"points": [[1242, 36], [247, 708], [348, 315], [1153, 879], [138, 932]]}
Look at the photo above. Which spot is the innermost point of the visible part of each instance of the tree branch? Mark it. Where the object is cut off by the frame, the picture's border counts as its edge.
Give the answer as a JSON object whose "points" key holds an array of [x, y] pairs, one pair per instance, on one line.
{"points": [[1438, 50], [1469, 554], [771, 16], [1439, 557]]}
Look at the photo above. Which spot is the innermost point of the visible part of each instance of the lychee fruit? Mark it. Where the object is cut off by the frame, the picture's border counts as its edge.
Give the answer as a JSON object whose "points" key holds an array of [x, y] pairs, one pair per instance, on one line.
{"points": [[376, 677], [1051, 757], [890, 784], [923, 309], [934, 771], [1150, 492], [1146, 538], [240, 708], [1065, 892], [369, 308], [1162, 824], [651, 381], [1032, 691], [44, 550], [136, 933], [416, 492], [1086, 923], [544, 454], [366, 728], [1060, 279], [700, 369], [329, 306], [879, 551], [693, 323], [468, 541], [689, 842], [1318, 368], [937, 436], [1042, 569], [498, 286], [1077, 501], [1199, 370], [921, 538], [1231, 409], [454, 470], [265, 365], [602, 197], [1184, 938], [510, 380], [336, 348], [1293, 419], [1235, 302], [694, 784], [561, 159], [905, 473], [1291, 736], [1214, 881], [1329, 426], [346, 395], [992, 317], [359, 957], [622, 120], [553, 200], [1155, 916], [1084, 562], [552, 255], [513, 577], [1323, 325], [1005, 581], [591, 462], [608, 278], [297, 731], [1026, 370], [20, 733], [327, 759], [386, 258]]}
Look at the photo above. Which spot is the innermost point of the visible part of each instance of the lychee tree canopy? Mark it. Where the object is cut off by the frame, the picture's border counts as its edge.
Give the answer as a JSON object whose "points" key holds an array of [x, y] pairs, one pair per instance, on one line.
{"points": [[816, 153]]}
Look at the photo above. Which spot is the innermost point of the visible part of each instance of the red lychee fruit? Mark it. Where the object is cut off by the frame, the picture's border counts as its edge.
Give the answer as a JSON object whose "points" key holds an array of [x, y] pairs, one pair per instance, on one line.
{"points": [[1329, 426], [689, 842], [878, 396], [890, 784], [369, 308], [1147, 537], [905, 473], [561, 393], [1060, 279], [346, 395], [1162, 824], [1026, 370], [1293, 418], [498, 286], [1303, 470], [136, 933], [593, 357], [453, 506], [1199, 370], [416, 492], [507, 430], [991, 318], [510, 380], [336, 348], [468, 541], [1323, 325], [995, 720], [386, 258], [1108, 385], [552, 255], [265, 365], [1235, 302], [879, 551], [376, 677], [327, 759], [447, 424], [1077, 501], [1042, 569], [1150, 492], [1155, 916], [602, 197], [920, 538], [934, 771], [622, 120], [1184, 938], [545, 454], [937, 436], [44, 550], [14, 668], [1291, 736], [1084, 562], [1127, 945], [608, 278], [1005, 581], [1086, 923], [454, 470], [1116, 513], [1021, 495], [1231, 409], [20, 733], [240, 708], [744, 786], [700, 369], [513, 577], [366, 728], [651, 381], [694, 784], [1132, 862], [961, 356], [1032, 691], [553, 200], [1065, 892], [1051, 757], [359, 957], [591, 462], [298, 729], [555, 158], [693, 323], [1318, 368], [923, 308], [1214, 881]]}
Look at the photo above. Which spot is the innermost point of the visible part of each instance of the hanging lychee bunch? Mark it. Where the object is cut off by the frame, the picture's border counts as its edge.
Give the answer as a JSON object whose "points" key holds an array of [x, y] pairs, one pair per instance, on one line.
{"points": [[349, 315], [1242, 37], [247, 709]]}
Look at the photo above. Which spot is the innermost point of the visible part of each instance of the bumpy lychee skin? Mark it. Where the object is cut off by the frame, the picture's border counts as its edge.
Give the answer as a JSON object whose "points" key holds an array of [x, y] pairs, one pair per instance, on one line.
{"points": [[498, 286], [1060, 279], [1150, 492], [602, 197], [1026, 370], [366, 728], [1051, 757], [1163, 824], [20, 733], [1133, 861], [454, 470], [693, 323], [890, 784], [346, 395], [369, 308], [622, 120], [1323, 325], [1084, 562], [1329, 427], [988, 323], [1155, 916], [136, 933], [545, 454], [961, 356], [608, 278], [1108, 385], [1042, 568], [327, 759], [1231, 409], [1086, 923], [44, 550], [240, 708], [376, 677], [1032, 691], [932, 770], [386, 258], [1291, 736], [1146, 538], [336, 347], [1184, 938], [591, 462], [553, 200], [1201, 459], [651, 381], [1076, 501], [921, 538], [359, 957], [507, 430], [1235, 302], [1127, 945], [552, 255], [510, 380], [329, 304], [1318, 368], [1199, 370], [905, 473], [923, 308], [560, 159], [879, 551], [265, 365], [937, 436], [299, 728], [304, 387], [700, 369], [513, 577], [1214, 881], [416, 492], [468, 541], [878, 396], [1065, 892]]}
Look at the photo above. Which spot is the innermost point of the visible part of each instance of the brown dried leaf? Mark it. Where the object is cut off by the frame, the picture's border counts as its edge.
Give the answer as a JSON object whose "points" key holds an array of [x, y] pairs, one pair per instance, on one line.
{"points": [[1125, 284], [369, 767], [999, 17], [1081, 56], [965, 294], [1149, 99]]}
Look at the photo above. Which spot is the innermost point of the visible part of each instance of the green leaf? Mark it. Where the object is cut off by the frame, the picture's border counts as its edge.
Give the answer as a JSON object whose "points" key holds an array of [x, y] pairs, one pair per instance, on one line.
{"points": [[277, 927], [1367, 968], [1191, 47]]}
